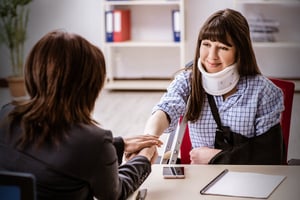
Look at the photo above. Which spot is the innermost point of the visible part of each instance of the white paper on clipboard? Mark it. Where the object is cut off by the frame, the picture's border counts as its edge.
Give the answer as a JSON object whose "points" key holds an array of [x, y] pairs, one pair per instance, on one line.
{"points": [[245, 184]]}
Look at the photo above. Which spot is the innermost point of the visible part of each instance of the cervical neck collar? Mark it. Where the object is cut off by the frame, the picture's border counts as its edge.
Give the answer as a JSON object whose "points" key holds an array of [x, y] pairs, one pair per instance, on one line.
{"points": [[221, 82]]}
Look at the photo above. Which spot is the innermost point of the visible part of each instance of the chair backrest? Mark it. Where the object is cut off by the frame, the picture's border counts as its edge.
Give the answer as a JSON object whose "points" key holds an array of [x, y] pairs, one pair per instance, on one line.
{"points": [[287, 88], [17, 186]]}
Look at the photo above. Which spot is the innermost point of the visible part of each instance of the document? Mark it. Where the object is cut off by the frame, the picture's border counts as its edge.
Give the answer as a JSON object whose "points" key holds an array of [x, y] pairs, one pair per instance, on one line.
{"points": [[243, 184]]}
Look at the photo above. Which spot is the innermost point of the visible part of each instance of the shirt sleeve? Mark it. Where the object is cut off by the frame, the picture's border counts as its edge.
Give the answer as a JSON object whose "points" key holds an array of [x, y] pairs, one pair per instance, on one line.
{"points": [[270, 107], [173, 102]]}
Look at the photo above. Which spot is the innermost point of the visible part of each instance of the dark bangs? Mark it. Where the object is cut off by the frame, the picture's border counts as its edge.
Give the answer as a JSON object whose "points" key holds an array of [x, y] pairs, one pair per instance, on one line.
{"points": [[215, 30]]}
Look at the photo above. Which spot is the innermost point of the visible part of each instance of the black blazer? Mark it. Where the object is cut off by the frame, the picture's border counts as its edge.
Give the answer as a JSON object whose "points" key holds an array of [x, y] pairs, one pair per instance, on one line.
{"points": [[84, 166]]}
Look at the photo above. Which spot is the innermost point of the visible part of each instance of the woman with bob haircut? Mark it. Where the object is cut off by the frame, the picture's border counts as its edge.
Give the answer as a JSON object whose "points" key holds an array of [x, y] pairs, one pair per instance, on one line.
{"points": [[53, 135], [224, 80]]}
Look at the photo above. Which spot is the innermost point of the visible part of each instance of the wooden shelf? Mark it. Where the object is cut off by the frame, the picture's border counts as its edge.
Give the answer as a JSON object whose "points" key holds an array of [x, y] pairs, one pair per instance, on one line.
{"points": [[276, 44], [267, 1], [144, 44], [151, 47], [140, 2], [137, 84]]}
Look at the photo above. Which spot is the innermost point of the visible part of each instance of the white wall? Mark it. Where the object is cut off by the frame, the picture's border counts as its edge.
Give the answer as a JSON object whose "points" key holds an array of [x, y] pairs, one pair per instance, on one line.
{"points": [[84, 17], [79, 16], [277, 62], [197, 11]]}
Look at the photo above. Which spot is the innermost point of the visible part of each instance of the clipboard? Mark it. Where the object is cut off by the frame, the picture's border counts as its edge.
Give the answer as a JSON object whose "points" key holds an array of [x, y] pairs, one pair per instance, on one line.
{"points": [[243, 184]]}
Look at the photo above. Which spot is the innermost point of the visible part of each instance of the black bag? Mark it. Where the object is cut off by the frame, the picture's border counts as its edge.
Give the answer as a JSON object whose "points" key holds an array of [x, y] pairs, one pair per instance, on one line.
{"points": [[267, 148]]}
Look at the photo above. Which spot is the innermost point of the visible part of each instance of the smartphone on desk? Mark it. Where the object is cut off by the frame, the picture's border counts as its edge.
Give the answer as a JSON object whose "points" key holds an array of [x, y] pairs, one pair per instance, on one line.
{"points": [[173, 172]]}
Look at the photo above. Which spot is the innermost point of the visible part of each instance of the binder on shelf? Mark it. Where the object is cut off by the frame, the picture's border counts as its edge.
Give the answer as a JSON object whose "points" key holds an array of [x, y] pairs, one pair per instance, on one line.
{"points": [[109, 26], [176, 25], [122, 25]]}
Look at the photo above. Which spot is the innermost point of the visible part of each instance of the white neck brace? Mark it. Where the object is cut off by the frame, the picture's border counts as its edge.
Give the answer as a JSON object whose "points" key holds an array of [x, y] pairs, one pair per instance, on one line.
{"points": [[221, 82]]}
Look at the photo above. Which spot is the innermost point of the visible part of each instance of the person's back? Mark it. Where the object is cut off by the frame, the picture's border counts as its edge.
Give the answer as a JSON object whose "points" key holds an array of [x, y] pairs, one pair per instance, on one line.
{"points": [[53, 136]]}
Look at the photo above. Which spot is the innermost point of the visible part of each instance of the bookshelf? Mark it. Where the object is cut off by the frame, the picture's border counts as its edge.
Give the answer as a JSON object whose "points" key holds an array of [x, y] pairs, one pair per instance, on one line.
{"points": [[159, 56], [286, 45]]}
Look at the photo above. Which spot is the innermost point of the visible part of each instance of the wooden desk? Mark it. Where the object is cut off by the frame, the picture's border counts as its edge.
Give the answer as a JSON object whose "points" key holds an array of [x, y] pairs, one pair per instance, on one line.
{"points": [[197, 176]]}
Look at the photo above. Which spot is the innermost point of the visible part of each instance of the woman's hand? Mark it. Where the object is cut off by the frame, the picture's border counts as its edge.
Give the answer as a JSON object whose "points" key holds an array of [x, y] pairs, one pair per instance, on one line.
{"points": [[136, 143], [202, 155], [150, 153]]}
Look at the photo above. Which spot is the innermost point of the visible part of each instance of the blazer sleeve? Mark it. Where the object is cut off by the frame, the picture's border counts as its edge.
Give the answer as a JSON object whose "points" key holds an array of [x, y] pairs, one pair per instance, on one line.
{"points": [[132, 174], [118, 142], [114, 181]]}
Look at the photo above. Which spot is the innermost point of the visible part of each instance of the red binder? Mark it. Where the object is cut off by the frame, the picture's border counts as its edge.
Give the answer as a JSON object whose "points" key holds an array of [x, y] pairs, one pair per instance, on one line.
{"points": [[122, 25]]}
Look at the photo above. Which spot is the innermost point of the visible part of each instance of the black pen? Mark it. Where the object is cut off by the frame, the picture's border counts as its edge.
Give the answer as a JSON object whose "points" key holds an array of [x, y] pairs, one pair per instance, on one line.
{"points": [[141, 194], [213, 181]]}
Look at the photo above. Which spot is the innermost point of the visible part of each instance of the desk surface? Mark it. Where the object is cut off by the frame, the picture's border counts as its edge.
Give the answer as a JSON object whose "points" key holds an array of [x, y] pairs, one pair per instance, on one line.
{"points": [[197, 176]]}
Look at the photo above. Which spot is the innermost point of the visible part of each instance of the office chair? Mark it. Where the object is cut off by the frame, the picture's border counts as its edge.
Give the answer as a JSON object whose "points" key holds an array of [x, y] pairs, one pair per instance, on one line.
{"points": [[287, 88], [17, 186]]}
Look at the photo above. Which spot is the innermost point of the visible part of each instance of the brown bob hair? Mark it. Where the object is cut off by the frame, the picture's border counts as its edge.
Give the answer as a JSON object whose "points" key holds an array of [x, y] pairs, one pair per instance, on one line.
{"points": [[218, 27], [64, 74]]}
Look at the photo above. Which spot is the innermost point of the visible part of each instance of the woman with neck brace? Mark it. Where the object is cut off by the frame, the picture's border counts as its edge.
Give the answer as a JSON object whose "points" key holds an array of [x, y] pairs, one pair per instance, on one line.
{"points": [[225, 67]]}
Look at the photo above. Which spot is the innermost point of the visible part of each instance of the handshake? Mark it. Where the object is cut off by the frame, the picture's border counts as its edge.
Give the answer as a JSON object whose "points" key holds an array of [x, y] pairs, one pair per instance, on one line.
{"points": [[143, 145]]}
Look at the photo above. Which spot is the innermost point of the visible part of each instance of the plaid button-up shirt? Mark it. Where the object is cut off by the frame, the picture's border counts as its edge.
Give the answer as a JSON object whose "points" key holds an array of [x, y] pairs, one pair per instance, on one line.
{"points": [[252, 110]]}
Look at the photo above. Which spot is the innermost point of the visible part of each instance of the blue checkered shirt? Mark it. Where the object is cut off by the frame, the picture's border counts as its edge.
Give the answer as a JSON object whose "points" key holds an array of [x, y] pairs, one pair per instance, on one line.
{"points": [[252, 110]]}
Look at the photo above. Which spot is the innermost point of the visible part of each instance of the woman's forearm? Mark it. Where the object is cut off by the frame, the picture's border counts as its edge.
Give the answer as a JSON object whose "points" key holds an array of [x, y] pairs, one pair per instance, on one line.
{"points": [[157, 123]]}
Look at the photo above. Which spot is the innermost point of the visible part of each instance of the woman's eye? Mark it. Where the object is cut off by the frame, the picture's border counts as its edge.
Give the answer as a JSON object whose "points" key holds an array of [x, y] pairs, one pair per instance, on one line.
{"points": [[224, 48], [205, 44]]}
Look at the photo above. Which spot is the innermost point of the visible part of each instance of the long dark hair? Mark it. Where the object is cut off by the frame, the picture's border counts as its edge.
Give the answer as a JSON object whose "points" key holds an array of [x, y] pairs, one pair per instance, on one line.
{"points": [[64, 74], [218, 27]]}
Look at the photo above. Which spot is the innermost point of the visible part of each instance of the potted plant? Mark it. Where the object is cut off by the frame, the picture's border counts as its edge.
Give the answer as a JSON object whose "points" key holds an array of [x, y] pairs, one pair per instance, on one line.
{"points": [[13, 30]]}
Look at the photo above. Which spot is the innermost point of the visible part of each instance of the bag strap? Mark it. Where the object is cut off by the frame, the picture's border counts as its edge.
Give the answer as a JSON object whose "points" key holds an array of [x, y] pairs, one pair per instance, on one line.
{"points": [[214, 110]]}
